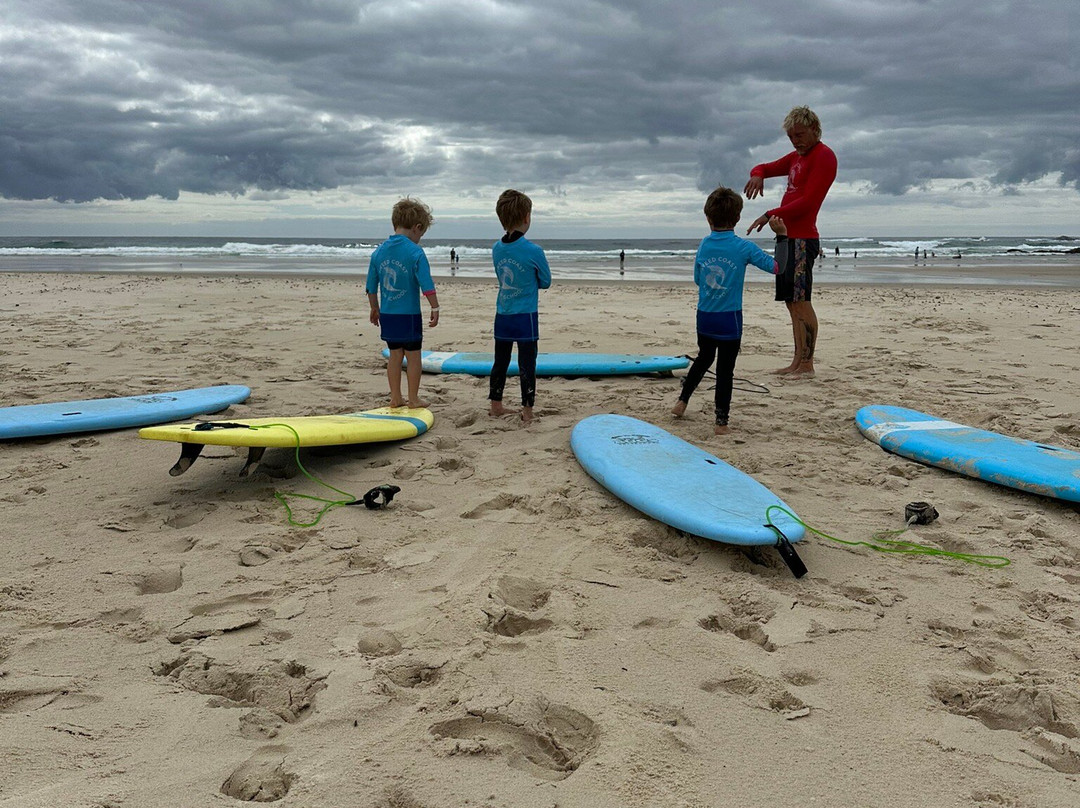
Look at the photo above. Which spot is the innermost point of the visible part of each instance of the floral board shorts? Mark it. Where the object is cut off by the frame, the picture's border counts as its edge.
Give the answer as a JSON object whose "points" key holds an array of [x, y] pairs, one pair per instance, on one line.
{"points": [[795, 283]]}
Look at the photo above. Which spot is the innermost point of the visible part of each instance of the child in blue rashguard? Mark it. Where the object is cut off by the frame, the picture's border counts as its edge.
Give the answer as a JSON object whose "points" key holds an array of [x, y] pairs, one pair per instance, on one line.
{"points": [[719, 272], [522, 270], [397, 274]]}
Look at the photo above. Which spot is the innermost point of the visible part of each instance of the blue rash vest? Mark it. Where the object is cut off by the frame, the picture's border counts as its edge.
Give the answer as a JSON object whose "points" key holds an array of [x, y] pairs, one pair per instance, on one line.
{"points": [[522, 270], [719, 272], [399, 272]]}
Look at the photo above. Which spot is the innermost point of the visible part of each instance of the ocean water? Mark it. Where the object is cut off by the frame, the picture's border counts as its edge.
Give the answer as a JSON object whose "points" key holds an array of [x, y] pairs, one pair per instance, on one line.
{"points": [[861, 260]]}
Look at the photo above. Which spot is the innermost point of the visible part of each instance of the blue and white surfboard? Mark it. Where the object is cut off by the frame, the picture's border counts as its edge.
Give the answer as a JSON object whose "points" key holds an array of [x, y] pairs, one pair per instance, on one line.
{"points": [[677, 483], [1039, 468], [64, 417], [552, 364]]}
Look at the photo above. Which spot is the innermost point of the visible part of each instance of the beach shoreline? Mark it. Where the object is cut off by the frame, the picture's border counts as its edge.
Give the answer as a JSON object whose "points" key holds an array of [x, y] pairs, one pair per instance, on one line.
{"points": [[1060, 271], [507, 633]]}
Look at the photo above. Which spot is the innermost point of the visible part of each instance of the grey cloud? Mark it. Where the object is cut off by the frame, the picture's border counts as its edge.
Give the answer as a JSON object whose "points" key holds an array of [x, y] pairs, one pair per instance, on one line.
{"points": [[121, 100]]}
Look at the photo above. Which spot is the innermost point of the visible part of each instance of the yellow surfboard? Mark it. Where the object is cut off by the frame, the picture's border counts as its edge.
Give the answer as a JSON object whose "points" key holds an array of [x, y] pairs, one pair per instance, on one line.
{"points": [[258, 434]]}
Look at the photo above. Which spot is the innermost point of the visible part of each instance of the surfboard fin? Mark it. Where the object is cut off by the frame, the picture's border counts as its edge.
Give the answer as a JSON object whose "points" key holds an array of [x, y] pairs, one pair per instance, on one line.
{"points": [[791, 558], [255, 454], [189, 453]]}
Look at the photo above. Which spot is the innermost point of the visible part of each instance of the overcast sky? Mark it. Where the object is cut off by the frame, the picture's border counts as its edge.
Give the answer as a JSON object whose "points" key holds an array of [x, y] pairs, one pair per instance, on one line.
{"points": [[311, 117]]}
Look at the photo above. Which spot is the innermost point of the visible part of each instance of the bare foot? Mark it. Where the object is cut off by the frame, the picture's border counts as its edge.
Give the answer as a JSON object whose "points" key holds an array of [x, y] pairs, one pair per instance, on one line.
{"points": [[784, 371], [526, 415], [396, 404], [419, 404], [679, 408], [803, 371], [496, 409], [721, 430]]}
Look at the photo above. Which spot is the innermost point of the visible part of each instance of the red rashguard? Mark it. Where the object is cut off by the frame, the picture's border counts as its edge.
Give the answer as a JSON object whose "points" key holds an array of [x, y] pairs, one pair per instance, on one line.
{"points": [[809, 180]]}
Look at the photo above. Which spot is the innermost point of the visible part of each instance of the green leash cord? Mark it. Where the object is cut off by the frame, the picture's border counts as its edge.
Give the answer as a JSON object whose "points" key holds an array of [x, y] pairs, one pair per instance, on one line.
{"points": [[896, 546], [329, 504]]}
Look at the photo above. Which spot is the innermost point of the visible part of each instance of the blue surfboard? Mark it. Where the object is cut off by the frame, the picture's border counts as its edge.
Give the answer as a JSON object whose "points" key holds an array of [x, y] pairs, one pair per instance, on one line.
{"points": [[679, 484], [1051, 471], [552, 364], [65, 417]]}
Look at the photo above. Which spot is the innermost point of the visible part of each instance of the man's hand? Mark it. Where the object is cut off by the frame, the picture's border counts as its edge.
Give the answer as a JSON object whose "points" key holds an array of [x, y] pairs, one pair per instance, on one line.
{"points": [[758, 223], [755, 187]]}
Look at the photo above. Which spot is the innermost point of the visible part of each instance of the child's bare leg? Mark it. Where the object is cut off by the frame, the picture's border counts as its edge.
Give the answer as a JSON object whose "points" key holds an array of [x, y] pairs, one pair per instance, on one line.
{"points": [[393, 375], [413, 371]]}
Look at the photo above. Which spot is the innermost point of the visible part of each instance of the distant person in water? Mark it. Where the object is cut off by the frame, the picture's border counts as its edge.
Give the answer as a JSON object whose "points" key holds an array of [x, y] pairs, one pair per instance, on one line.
{"points": [[810, 170], [397, 275], [522, 270], [719, 272]]}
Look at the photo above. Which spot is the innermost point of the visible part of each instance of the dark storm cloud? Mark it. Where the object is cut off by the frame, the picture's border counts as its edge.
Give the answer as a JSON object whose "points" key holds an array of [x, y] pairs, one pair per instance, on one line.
{"points": [[127, 100]]}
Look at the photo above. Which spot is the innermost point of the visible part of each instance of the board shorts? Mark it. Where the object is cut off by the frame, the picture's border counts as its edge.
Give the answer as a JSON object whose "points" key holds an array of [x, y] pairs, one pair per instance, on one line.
{"points": [[399, 330], [523, 327], [795, 282]]}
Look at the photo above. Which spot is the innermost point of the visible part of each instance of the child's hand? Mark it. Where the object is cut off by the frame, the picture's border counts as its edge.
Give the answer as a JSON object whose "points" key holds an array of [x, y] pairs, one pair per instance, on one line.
{"points": [[374, 317], [434, 321], [777, 225]]}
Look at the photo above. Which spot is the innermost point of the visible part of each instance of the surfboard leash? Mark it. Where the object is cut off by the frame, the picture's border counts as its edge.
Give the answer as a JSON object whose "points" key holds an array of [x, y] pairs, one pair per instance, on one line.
{"points": [[377, 497], [882, 544], [754, 387]]}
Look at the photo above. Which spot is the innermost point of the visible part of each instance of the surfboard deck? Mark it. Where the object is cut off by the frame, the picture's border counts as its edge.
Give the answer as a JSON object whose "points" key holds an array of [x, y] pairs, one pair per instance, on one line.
{"points": [[91, 415], [1038, 468], [551, 364], [681, 485], [258, 434]]}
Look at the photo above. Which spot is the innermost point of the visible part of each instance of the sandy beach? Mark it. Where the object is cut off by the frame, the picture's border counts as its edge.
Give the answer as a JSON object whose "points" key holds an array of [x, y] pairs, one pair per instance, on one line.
{"points": [[507, 634]]}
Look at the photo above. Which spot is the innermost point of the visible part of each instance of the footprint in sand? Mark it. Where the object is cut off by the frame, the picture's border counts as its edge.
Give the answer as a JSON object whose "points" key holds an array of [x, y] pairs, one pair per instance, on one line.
{"points": [[549, 741], [1021, 703], [188, 517], [745, 617], [759, 692], [412, 672], [284, 688], [505, 507], [260, 778], [743, 629], [513, 606]]}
